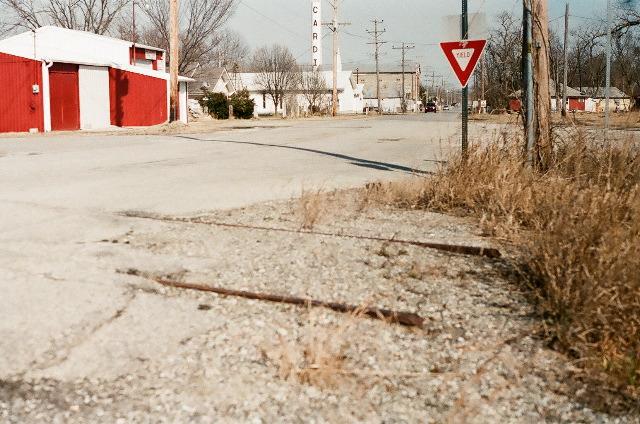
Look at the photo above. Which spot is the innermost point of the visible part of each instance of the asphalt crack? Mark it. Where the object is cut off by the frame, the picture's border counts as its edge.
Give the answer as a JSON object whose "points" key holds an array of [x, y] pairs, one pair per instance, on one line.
{"points": [[57, 355]]}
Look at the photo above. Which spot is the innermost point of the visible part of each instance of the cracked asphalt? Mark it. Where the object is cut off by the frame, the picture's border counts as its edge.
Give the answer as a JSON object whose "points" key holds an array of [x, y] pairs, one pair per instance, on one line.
{"points": [[82, 341]]}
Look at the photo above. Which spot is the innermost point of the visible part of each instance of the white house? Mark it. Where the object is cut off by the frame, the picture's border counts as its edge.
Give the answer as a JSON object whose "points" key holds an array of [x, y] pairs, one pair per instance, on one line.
{"points": [[597, 99], [215, 80], [350, 99]]}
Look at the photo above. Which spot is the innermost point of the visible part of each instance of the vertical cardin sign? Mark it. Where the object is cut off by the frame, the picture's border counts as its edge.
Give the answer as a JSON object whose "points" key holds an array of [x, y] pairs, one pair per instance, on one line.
{"points": [[316, 33], [463, 57]]}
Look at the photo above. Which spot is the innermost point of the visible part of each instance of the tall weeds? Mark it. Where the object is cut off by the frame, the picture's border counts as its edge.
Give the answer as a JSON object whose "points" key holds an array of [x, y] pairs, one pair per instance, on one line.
{"points": [[578, 225]]}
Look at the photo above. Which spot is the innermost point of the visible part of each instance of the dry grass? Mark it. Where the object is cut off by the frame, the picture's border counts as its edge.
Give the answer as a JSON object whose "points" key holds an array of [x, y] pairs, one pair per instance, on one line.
{"points": [[312, 205], [579, 228], [317, 357], [620, 120]]}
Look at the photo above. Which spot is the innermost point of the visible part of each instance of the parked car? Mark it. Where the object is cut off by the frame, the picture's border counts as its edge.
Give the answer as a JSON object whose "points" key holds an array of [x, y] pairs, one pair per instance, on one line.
{"points": [[446, 107], [431, 107]]}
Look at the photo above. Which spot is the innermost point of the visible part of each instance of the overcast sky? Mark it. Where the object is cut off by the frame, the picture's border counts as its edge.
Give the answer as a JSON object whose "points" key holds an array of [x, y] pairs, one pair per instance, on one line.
{"points": [[422, 22]]}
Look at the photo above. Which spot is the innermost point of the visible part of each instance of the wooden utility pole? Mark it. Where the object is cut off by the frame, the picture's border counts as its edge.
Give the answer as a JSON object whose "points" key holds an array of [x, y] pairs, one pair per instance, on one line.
{"points": [[566, 56], [174, 58], [404, 49], [542, 93], [376, 41], [333, 26]]}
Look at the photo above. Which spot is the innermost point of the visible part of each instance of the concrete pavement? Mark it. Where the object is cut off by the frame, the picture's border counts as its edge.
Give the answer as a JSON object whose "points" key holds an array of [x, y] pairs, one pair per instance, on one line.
{"points": [[60, 198]]}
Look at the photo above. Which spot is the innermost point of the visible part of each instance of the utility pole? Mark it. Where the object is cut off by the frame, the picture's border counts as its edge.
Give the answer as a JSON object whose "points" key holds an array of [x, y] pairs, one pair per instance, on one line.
{"points": [[465, 90], [376, 41], [566, 55], [133, 32], [540, 32], [333, 26], [174, 57], [404, 49], [535, 55]]}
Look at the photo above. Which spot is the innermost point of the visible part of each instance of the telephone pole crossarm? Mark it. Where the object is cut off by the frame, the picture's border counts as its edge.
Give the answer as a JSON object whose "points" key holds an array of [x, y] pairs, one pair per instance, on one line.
{"points": [[404, 49], [334, 26], [376, 41]]}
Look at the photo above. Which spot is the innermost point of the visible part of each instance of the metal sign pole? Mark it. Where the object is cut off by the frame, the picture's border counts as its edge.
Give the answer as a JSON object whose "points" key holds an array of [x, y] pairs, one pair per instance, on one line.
{"points": [[465, 90], [527, 74], [608, 72]]}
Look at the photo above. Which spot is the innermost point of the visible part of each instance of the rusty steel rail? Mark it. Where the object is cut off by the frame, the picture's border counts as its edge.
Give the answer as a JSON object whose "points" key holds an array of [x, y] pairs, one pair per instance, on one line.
{"points": [[408, 319], [487, 252]]}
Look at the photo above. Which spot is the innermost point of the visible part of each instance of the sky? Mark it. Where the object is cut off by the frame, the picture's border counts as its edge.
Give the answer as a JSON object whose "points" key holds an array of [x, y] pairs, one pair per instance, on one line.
{"points": [[422, 22]]}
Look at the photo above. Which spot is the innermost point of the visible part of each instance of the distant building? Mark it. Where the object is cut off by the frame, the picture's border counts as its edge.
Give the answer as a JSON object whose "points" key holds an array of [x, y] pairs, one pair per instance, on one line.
{"points": [[575, 99], [588, 99], [596, 99], [61, 79], [216, 80], [391, 95]]}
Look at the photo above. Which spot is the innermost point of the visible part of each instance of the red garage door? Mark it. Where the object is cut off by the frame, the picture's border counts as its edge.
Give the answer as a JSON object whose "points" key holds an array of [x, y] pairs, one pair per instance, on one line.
{"points": [[20, 107], [136, 99], [576, 104], [65, 98]]}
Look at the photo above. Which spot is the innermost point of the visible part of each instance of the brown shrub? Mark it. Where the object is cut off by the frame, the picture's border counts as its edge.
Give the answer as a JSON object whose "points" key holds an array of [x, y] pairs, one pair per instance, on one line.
{"points": [[311, 207], [579, 228]]}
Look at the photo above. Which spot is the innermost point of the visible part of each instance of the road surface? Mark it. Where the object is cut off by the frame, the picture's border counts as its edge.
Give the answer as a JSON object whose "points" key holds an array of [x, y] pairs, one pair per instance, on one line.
{"points": [[61, 196]]}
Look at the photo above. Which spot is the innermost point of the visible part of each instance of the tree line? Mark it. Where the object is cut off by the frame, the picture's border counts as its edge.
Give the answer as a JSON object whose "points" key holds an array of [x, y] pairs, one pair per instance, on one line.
{"points": [[586, 63]]}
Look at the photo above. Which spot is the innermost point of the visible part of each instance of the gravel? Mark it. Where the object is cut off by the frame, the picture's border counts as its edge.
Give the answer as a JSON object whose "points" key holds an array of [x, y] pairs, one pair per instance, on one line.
{"points": [[479, 358]]}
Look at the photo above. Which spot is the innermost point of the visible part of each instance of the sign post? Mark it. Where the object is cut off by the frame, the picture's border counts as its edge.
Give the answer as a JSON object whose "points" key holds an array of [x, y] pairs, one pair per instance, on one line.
{"points": [[463, 56], [465, 90]]}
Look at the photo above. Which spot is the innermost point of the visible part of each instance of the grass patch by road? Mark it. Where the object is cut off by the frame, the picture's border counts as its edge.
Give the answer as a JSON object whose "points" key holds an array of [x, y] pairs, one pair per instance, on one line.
{"points": [[618, 120], [577, 227]]}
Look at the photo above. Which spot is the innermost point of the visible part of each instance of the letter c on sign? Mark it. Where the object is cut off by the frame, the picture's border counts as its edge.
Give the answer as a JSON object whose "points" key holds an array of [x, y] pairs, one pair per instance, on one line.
{"points": [[315, 9]]}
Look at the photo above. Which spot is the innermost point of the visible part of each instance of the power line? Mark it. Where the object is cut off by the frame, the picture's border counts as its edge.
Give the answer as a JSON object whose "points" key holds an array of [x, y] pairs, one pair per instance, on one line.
{"points": [[271, 19]]}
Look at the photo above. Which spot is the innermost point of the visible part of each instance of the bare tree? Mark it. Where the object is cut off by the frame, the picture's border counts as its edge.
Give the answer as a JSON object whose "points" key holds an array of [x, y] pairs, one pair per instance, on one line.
{"points": [[556, 58], [24, 14], [586, 58], [503, 59], [231, 52], [277, 72], [201, 23], [97, 16], [315, 90]]}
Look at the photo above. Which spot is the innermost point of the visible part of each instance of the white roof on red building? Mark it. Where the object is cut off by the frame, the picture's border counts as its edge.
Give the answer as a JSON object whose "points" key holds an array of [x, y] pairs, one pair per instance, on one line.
{"points": [[55, 44]]}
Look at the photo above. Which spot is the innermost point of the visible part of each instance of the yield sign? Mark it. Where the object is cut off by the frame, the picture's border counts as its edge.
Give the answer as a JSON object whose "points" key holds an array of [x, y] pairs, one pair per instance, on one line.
{"points": [[463, 57]]}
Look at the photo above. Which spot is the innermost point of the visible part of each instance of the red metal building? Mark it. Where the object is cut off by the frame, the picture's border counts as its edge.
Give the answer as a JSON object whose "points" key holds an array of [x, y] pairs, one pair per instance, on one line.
{"points": [[20, 107], [58, 79]]}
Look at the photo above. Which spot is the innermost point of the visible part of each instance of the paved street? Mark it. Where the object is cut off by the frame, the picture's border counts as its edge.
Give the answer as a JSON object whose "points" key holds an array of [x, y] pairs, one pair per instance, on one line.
{"points": [[60, 196], [88, 336], [186, 173]]}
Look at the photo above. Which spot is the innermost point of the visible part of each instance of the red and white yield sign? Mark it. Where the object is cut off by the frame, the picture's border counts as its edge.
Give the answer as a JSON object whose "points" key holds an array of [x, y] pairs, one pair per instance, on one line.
{"points": [[463, 57]]}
